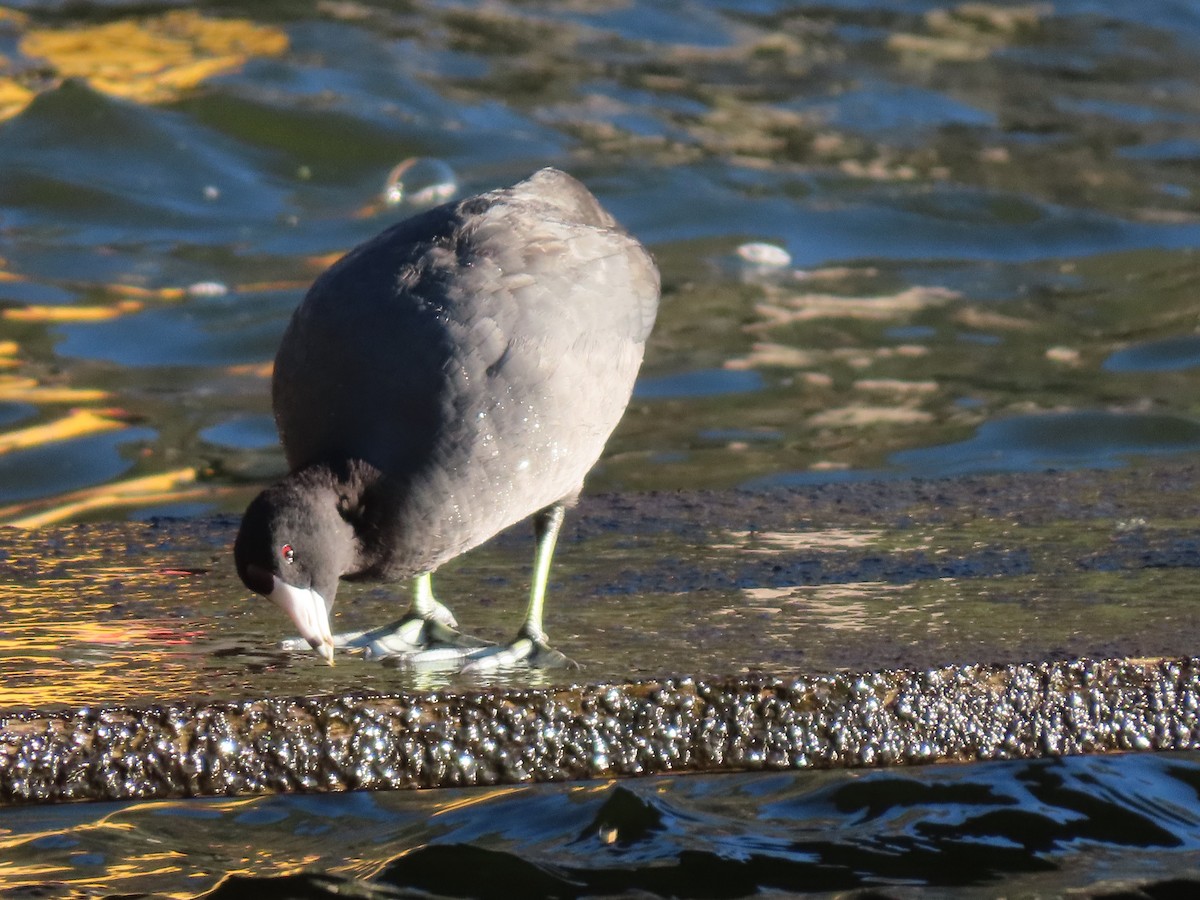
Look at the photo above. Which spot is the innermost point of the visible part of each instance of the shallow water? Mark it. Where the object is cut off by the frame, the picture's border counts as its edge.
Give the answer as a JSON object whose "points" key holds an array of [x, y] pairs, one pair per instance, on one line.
{"points": [[990, 213], [697, 585]]}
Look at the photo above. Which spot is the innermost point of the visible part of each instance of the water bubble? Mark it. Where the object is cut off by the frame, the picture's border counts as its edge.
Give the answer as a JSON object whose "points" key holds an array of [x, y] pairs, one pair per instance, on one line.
{"points": [[420, 181], [768, 255], [207, 289]]}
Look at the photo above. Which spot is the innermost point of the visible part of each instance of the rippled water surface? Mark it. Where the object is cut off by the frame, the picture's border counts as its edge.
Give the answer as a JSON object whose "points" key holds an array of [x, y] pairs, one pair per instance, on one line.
{"points": [[980, 223], [997, 829]]}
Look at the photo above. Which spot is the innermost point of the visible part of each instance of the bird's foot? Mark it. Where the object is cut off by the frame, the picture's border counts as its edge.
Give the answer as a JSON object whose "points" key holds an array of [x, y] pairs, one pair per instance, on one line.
{"points": [[526, 651], [408, 636], [414, 635], [425, 645]]}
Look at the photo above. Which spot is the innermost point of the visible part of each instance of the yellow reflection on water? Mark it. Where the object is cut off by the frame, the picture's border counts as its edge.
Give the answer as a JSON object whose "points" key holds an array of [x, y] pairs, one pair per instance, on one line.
{"points": [[144, 490], [75, 424], [15, 389], [15, 877], [70, 639], [61, 314], [36, 874], [152, 60], [475, 798]]}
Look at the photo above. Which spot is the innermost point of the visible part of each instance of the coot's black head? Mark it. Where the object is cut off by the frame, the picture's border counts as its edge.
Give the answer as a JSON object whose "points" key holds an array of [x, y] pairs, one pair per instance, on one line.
{"points": [[292, 547]]}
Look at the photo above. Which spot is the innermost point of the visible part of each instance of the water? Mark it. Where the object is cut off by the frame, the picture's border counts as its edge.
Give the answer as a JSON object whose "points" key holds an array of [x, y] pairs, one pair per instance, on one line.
{"points": [[991, 217], [1038, 828]]}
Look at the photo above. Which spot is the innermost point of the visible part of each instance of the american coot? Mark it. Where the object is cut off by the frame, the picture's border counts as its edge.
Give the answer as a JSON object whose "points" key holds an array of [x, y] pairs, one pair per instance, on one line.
{"points": [[456, 374]]}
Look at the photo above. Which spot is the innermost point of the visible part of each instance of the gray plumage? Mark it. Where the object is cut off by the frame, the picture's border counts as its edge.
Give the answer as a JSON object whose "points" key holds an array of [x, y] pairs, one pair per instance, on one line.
{"points": [[452, 376]]}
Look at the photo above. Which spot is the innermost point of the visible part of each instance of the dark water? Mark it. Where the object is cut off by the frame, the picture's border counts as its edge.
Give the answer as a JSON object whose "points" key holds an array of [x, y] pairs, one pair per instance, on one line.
{"points": [[1102, 827], [990, 212]]}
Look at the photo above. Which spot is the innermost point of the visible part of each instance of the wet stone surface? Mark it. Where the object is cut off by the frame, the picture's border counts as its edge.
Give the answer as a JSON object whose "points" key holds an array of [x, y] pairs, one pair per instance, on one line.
{"points": [[438, 740], [715, 631]]}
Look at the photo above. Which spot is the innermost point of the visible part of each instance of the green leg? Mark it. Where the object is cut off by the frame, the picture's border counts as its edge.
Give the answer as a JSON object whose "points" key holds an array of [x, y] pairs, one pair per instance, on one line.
{"points": [[530, 647], [426, 638], [427, 627], [425, 605], [546, 526]]}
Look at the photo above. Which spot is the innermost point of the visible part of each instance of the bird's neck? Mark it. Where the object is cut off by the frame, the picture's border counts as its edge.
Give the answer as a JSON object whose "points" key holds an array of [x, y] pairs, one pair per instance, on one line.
{"points": [[345, 490]]}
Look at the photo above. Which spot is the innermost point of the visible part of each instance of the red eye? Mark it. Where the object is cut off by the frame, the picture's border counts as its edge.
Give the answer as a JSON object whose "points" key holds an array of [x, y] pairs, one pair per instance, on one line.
{"points": [[288, 554]]}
